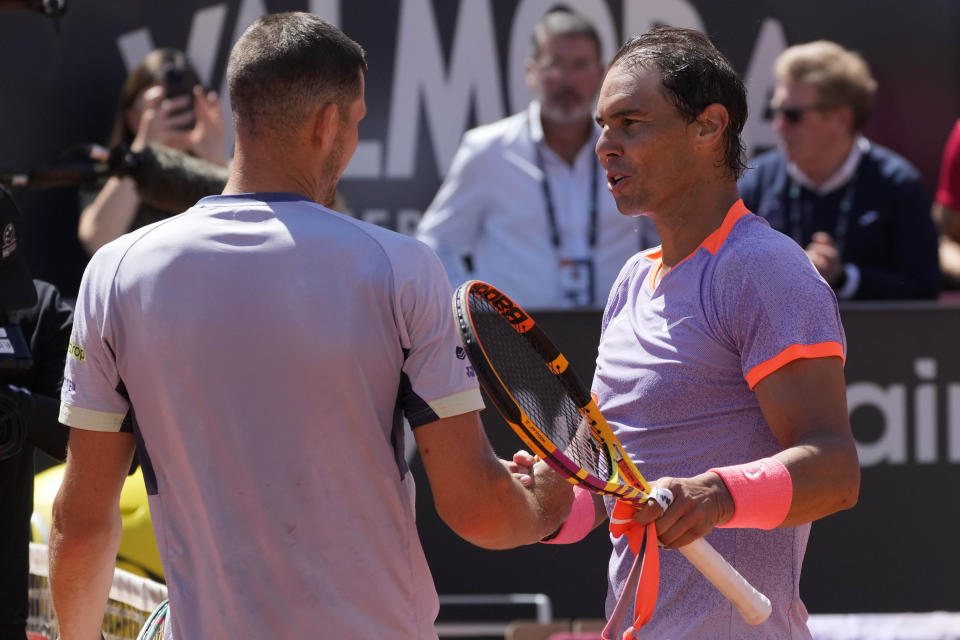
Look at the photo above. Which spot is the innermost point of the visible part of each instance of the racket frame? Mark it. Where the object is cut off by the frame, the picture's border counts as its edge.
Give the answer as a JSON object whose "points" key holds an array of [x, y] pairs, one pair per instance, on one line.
{"points": [[625, 481]]}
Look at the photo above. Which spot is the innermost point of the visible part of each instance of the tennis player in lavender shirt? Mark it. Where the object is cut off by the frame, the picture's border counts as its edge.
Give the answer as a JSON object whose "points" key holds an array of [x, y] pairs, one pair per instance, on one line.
{"points": [[720, 365]]}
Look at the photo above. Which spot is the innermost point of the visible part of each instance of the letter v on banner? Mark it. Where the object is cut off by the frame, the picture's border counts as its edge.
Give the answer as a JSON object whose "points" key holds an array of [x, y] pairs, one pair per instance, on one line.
{"points": [[206, 31], [205, 42]]}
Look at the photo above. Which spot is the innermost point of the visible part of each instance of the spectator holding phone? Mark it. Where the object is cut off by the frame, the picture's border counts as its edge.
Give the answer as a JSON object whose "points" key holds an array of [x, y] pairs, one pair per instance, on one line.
{"points": [[176, 131]]}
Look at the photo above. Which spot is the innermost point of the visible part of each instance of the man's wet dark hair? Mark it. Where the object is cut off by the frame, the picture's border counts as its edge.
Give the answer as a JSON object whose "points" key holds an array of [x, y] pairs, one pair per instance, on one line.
{"points": [[694, 75]]}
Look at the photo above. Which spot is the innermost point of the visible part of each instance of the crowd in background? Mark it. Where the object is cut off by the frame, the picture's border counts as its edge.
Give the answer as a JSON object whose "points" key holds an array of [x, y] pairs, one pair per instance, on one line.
{"points": [[549, 234]]}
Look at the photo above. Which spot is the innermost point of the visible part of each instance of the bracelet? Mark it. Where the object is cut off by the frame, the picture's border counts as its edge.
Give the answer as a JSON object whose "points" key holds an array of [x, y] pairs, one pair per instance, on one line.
{"points": [[580, 521], [762, 492]]}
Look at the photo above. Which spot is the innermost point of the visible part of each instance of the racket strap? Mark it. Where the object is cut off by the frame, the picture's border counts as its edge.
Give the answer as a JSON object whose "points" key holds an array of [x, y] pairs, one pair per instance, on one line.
{"points": [[643, 581]]}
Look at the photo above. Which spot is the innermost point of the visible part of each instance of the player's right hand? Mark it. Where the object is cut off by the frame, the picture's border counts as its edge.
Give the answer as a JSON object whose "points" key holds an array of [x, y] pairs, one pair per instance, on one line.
{"points": [[699, 504]]}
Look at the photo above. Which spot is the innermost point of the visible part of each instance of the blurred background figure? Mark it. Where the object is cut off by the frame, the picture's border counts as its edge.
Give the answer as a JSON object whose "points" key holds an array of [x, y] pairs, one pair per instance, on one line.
{"points": [[175, 133], [946, 210], [525, 204], [860, 210], [35, 325]]}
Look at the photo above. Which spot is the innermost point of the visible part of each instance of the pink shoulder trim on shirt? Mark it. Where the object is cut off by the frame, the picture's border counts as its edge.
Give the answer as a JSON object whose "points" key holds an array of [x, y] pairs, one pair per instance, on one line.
{"points": [[791, 353], [716, 239], [712, 243]]}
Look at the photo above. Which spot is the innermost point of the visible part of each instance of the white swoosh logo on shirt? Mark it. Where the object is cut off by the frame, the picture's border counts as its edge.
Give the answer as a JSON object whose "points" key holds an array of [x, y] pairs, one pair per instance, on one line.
{"points": [[667, 327]]}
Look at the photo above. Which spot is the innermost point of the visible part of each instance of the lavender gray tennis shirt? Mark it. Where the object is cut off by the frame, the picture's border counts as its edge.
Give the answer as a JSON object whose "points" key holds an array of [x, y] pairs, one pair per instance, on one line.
{"points": [[269, 347], [677, 364]]}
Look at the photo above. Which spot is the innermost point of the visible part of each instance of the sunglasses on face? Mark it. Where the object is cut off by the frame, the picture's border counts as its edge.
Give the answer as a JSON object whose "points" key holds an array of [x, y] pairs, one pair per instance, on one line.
{"points": [[792, 115]]}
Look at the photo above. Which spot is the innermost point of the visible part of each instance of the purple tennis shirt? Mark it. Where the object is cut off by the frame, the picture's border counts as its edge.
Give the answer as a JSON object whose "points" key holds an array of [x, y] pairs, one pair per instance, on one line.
{"points": [[677, 363], [270, 348]]}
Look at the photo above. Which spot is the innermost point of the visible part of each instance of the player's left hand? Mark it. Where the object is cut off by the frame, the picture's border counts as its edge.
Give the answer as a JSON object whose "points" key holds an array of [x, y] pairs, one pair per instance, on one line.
{"points": [[699, 504], [522, 467], [825, 256]]}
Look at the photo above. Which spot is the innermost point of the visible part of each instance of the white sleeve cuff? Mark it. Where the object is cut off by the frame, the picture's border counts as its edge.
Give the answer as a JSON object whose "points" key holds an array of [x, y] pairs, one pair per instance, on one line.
{"points": [[453, 405], [90, 419]]}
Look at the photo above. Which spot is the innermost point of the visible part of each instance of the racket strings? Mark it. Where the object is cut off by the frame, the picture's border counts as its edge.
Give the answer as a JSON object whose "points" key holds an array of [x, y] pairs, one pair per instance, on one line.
{"points": [[542, 395]]}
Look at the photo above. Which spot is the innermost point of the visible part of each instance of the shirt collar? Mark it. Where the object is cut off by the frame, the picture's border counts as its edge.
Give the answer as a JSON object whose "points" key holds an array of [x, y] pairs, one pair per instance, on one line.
{"points": [[849, 167], [245, 198], [536, 127]]}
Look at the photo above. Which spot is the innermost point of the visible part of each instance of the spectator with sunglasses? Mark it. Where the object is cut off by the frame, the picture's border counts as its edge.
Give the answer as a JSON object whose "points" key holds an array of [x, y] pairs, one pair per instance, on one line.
{"points": [[860, 210]]}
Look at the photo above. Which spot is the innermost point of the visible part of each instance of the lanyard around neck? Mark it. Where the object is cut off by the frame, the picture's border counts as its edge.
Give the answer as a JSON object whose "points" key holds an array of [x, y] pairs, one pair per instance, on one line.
{"points": [[548, 199], [843, 211]]}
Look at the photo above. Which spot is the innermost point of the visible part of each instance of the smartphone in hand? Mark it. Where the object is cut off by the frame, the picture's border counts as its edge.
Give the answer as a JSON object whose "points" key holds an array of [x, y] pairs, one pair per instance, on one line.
{"points": [[178, 81]]}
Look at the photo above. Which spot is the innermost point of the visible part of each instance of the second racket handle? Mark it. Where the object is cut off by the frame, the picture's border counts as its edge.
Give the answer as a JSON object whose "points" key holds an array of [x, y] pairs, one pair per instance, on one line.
{"points": [[752, 605]]}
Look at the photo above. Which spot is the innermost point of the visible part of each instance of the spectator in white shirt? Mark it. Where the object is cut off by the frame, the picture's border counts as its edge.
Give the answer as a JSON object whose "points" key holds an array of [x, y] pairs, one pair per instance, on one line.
{"points": [[525, 204]]}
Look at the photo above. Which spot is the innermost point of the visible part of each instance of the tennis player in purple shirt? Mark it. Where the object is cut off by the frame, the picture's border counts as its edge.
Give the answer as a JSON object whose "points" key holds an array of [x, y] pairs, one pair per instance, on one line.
{"points": [[720, 364]]}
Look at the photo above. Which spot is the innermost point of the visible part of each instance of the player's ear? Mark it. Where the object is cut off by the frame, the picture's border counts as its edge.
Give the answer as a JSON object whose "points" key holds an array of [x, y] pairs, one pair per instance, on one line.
{"points": [[323, 125], [711, 124]]}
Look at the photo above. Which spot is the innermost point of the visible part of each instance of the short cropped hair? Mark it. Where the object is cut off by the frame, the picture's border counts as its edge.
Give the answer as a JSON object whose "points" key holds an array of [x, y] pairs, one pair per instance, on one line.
{"points": [[841, 77], [284, 65], [562, 22], [694, 75]]}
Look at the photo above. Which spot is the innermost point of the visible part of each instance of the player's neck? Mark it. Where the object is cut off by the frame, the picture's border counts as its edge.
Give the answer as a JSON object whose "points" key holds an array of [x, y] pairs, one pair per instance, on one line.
{"points": [[684, 226], [257, 172], [826, 163], [566, 138]]}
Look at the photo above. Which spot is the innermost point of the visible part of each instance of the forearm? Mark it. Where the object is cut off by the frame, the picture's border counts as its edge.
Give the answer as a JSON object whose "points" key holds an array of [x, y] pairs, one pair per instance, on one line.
{"points": [[503, 513], [110, 215], [825, 473], [82, 558], [174, 181]]}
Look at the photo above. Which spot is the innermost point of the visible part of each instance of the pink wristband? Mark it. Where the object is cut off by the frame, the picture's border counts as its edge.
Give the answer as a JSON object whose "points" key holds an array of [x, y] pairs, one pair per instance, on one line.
{"points": [[762, 492], [580, 521]]}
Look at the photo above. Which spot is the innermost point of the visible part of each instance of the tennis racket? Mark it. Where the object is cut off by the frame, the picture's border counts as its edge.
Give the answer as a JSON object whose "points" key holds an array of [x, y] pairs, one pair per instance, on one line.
{"points": [[536, 391], [153, 627]]}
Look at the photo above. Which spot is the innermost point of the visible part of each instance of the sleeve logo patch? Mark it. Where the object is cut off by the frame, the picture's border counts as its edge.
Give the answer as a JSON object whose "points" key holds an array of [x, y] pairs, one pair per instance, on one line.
{"points": [[76, 351], [461, 354]]}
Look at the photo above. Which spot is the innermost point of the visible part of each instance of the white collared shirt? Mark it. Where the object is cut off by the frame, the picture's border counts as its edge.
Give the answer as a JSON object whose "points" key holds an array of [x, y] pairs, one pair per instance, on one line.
{"points": [[492, 207], [840, 177]]}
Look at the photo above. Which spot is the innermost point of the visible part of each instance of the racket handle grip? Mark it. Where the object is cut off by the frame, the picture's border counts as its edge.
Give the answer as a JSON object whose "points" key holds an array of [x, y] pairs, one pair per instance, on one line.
{"points": [[752, 605]]}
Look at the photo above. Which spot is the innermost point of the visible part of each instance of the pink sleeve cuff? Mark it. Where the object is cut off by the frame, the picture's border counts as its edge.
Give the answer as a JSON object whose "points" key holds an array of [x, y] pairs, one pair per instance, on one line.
{"points": [[580, 521], [762, 492]]}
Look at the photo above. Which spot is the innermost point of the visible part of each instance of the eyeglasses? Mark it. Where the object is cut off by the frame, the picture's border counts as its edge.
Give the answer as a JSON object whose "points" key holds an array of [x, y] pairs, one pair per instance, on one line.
{"points": [[793, 115]]}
